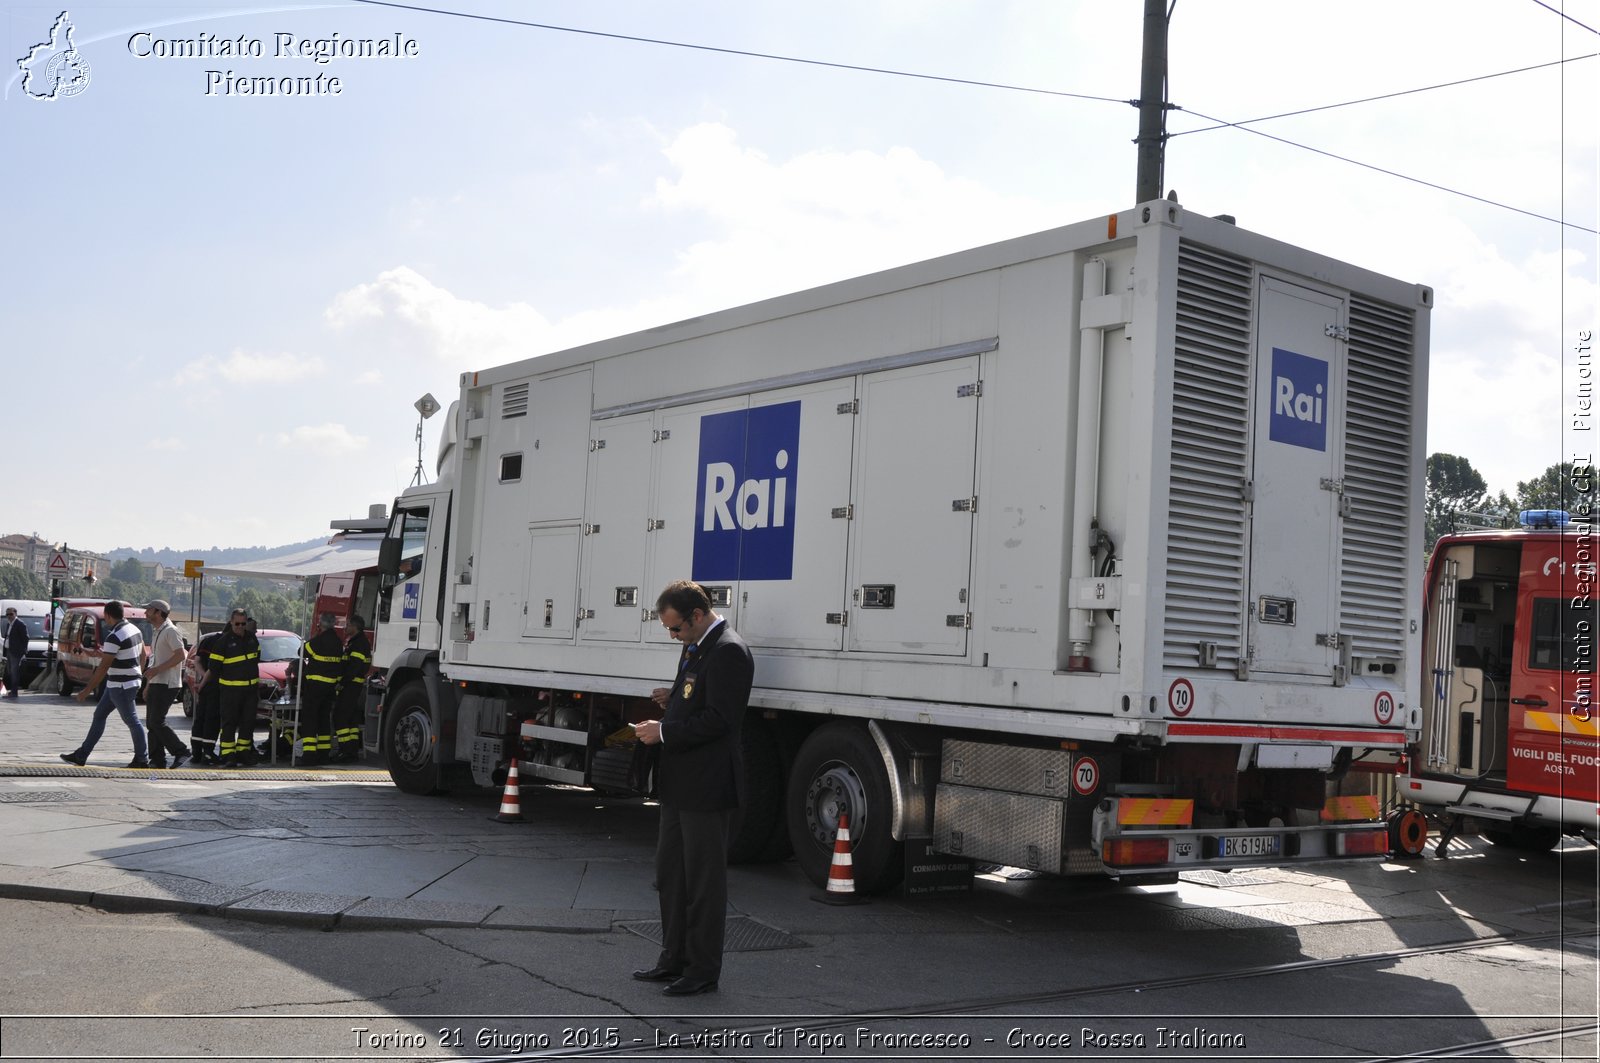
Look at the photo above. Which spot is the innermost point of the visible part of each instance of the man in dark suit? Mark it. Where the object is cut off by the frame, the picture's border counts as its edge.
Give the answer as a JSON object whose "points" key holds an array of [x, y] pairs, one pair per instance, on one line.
{"points": [[698, 780]]}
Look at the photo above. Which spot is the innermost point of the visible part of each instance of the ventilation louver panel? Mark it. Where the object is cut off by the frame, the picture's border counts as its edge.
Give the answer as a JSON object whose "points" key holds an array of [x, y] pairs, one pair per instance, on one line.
{"points": [[514, 401], [1206, 537], [1377, 475]]}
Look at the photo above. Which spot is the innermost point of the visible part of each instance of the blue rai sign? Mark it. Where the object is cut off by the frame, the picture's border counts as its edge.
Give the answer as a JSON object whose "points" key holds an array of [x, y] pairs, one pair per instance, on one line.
{"points": [[1299, 400], [411, 601], [744, 501]]}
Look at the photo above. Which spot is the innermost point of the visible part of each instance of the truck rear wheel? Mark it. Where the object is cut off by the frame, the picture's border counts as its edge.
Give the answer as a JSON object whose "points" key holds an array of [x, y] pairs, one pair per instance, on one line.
{"points": [[408, 741], [759, 834], [839, 770]]}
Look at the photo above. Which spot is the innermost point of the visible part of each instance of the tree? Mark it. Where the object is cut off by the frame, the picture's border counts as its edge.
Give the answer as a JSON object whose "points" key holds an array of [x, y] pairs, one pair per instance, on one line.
{"points": [[128, 571], [1563, 486], [22, 585], [1454, 488]]}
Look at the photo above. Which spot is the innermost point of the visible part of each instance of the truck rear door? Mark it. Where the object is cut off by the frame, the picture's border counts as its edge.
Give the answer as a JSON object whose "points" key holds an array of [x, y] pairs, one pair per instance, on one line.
{"points": [[1293, 604]]}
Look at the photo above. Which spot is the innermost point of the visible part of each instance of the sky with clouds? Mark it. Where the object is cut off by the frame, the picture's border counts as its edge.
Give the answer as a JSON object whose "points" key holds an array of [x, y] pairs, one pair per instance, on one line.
{"points": [[219, 308]]}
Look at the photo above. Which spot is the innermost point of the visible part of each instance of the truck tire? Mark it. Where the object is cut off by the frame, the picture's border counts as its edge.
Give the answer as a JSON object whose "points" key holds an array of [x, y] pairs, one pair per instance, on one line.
{"points": [[408, 741], [839, 770], [759, 835]]}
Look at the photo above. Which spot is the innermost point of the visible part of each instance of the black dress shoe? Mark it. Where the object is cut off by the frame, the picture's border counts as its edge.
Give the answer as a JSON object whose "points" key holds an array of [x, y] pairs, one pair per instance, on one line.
{"points": [[138, 763], [688, 987], [658, 974], [75, 758], [179, 761]]}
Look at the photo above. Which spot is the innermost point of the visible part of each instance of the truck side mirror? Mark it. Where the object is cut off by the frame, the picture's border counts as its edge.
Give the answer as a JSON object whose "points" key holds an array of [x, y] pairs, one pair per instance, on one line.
{"points": [[389, 557]]}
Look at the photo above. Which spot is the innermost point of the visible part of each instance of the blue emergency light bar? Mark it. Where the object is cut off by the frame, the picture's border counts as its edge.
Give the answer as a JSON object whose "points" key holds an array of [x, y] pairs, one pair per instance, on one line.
{"points": [[1543, 518]]}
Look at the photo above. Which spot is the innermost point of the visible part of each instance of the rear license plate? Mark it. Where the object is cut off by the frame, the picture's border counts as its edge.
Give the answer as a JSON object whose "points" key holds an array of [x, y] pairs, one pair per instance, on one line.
{"points": [[1253, 845]]}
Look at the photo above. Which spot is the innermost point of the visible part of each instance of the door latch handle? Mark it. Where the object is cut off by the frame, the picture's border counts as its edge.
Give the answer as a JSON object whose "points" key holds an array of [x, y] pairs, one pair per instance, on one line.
{"points": [[1529, 701]]}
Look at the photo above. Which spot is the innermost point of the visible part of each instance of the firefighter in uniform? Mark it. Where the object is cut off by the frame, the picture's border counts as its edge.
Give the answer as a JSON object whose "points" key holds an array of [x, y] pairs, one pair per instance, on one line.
{"points": [[235, 658], [207, 704], [348, 713], [321, 666]]}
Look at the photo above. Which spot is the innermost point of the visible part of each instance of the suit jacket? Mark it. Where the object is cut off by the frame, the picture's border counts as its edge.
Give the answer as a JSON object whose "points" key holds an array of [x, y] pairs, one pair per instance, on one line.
{"points": [[702, 765], [16, 637]]}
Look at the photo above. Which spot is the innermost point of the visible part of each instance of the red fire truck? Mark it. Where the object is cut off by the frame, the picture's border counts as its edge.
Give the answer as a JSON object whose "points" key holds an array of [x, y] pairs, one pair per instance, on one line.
{"points": [[1510, 738]]}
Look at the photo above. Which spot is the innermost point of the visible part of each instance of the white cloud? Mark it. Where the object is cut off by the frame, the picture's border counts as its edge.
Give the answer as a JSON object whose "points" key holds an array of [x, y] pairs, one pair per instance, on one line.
{"points": [[243, 368], [440, 323], [823, 215], [166, 443], [322, 438]]}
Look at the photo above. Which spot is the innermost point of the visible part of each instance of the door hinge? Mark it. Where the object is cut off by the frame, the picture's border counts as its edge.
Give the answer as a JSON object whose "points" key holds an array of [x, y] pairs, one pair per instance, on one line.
{"points": [[845, 512], [1247, 490], [596, 444], [591, 529], [964, 505], [853, 406], [1338, 332], [961, 620], [651, 524], [1330, 640], [837, 619], [973, 390]]}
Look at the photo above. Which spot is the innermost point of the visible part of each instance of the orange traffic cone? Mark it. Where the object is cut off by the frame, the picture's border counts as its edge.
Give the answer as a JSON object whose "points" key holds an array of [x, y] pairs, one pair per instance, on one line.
{"points": [[841, 875], [510, 806]]}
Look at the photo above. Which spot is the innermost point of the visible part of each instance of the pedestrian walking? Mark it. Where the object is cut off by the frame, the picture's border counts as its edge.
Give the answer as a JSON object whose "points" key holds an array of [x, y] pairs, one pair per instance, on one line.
{"points": [[119, 668], [236, 657], [207, 704], [163, 682], [16, 647], [351, 706], [698, 779], [321, 667]]}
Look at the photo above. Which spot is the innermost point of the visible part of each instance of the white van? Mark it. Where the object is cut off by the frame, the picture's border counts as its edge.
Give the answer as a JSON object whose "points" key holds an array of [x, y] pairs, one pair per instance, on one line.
{"points": [[36, 616]]}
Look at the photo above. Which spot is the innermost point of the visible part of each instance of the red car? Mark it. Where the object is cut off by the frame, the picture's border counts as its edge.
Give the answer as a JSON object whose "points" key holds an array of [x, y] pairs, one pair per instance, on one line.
{"points": [[80, 635], [279, 649]]}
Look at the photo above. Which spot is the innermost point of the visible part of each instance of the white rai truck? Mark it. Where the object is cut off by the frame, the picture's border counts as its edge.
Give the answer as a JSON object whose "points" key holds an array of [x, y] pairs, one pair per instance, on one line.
{"points": [[1091, 552]]}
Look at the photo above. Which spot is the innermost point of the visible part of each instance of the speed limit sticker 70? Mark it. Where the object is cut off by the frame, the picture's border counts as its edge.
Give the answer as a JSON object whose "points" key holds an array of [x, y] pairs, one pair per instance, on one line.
{"points": [[1180, 697], [1086, 776]]}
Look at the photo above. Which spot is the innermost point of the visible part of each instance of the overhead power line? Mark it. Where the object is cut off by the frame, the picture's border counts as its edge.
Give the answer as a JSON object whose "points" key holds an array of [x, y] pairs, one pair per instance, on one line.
{"points": [[1220, 123], [748, 54], [1384, 96], [1566, 16], [1396, 173]]}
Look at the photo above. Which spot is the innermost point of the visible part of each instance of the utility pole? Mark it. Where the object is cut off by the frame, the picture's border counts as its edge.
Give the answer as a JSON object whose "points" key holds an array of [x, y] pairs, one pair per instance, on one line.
{"points": [[1152, 139]]}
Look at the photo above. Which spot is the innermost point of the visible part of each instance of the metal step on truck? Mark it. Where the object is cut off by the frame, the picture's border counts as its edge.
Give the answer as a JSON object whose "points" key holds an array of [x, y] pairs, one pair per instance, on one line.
{"points": [[1088, 552]]}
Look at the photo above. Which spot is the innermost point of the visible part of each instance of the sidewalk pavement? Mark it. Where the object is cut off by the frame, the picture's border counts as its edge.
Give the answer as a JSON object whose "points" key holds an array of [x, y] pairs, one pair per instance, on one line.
{"points": [[322, 847]]}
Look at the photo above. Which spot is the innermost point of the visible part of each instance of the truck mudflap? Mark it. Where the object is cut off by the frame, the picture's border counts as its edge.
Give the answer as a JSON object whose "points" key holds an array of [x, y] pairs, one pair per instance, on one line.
{"points": [[1142, 836]]}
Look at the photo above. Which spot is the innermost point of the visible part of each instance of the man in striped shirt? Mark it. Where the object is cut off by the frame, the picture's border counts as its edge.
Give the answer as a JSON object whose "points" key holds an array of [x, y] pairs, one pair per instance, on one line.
{"points": [[119, 667]]}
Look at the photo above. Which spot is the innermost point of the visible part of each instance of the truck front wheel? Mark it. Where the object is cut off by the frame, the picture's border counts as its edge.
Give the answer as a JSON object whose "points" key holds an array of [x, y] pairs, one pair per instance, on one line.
{"points": [[408, 741], [840, 771]]}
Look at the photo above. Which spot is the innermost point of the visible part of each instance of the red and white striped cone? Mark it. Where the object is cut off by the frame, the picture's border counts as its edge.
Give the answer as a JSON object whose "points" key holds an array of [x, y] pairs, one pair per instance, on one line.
{"points": [[841, 875], [510, 806]]}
